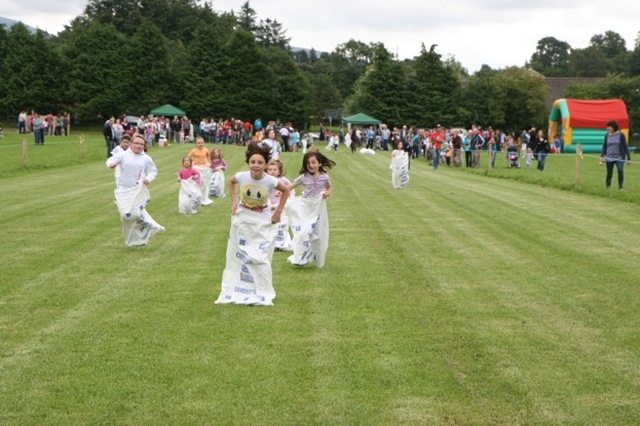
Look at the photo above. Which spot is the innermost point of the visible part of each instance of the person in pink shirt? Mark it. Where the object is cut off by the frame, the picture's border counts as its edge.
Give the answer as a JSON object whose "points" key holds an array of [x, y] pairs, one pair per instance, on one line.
{"points": [[189, 197], [187, 171]]}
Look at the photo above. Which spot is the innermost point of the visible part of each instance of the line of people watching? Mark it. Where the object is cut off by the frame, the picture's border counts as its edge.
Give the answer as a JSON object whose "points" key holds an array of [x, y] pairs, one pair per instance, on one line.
{"points": [[49, 125], [456, 146]]}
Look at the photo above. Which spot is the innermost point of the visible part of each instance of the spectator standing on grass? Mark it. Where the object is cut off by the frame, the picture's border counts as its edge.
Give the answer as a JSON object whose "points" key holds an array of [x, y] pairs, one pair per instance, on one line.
{"points": [[614, 151], [437, 139], [285, 134], [22, 122], [456, 145], [467, 149], [50, 126], [385, 135], [176, 126], [532, 139], [543, 148], [476, 144], [36, 126], [295, 139], [524, 140], [493, 149], [109, 133], [65, 124]]}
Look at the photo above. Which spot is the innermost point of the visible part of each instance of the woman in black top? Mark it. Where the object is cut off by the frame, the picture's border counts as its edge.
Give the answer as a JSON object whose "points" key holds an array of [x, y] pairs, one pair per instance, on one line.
{"points": [[614, 151]]}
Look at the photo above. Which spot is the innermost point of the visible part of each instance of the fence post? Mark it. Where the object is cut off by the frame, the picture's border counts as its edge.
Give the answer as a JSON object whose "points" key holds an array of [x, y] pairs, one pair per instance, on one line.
{"points": [[24, 152], [578, 155], [82, 145]]}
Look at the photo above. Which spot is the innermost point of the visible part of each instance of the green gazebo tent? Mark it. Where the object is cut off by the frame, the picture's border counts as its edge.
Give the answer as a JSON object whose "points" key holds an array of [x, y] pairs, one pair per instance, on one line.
{"points": [[360, 119], [168, 110]]}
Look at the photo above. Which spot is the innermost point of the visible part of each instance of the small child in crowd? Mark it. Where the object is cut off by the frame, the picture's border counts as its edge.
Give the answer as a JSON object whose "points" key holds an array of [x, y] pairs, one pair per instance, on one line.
{"points": [[528, 157]]}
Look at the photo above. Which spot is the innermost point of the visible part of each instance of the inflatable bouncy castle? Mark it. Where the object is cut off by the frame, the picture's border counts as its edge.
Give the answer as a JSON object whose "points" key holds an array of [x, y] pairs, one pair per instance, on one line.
{"points": [[584, 122]]}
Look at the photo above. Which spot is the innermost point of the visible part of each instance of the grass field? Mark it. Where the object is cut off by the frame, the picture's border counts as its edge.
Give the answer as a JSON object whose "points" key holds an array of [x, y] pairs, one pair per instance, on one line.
{"points": [[471, 297]]}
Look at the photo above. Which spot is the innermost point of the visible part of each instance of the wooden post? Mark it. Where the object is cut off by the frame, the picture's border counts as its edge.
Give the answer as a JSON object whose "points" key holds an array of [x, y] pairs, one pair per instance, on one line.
{"points": [[578, 155], [24, 152], [82, 146]]}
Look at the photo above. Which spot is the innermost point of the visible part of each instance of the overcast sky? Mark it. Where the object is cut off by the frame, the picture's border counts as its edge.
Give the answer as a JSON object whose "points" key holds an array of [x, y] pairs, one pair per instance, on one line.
{"points": [[498, 33]]}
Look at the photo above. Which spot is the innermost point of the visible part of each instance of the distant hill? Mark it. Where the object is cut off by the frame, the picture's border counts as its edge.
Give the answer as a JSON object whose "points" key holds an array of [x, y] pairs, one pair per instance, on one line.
{"points": [[297, 49], [10, 22]]}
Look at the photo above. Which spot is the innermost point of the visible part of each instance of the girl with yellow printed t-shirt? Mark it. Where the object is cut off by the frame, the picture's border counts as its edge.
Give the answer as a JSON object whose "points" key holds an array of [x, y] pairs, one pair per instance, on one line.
{"points": [[247, 274]]}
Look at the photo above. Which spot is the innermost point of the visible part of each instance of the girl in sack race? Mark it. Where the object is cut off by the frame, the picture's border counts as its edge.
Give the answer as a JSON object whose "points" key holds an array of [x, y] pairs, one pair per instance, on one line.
{"points": [[247, 277], [218, 166], [308, 214], [275, 168], [189, 197], [201, 162], [137, 170]]}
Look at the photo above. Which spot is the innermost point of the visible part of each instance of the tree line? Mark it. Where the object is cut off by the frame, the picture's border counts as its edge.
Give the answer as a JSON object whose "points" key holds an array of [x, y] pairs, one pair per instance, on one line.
{"points": [[123, 56]]}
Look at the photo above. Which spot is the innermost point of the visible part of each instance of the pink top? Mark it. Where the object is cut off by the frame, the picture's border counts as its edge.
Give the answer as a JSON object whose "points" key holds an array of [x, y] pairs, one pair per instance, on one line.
{"points": [[218, 163], [274, 197], [188, 173]]}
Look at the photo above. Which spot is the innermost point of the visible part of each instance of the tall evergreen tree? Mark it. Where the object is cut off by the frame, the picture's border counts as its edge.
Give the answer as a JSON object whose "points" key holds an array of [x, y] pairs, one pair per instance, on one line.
{"points": [[247, 18], [248, 84], [32, 70], [149, 74], [97, 86], [291, 89], [271, 33], [382, 91], [435, 90], [202, 74]]}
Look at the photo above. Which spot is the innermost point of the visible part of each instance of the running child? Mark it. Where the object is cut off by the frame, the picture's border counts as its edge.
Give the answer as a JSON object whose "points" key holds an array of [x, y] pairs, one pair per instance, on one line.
{"points": [[201, 162], [308, 214], [189, 197], [125, 141], [247, 276], [218, 166], [275, 168]]}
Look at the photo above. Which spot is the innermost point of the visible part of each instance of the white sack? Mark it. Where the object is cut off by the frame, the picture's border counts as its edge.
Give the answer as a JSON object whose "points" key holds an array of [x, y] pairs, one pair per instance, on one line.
{"points": [[189, 197], [367, 151], [400, 171], [137, 225], [205, 182], [246, 278], [283, 237], [216, 188], [310, 226]]}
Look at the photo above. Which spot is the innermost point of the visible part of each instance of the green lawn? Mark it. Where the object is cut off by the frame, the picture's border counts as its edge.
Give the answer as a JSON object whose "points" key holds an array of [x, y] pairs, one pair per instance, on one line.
{"points": [[471, 297]]}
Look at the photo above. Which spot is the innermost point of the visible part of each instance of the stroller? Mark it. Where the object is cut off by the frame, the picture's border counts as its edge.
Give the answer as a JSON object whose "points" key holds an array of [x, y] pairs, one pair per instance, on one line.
{"points": [[512, 156]]}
